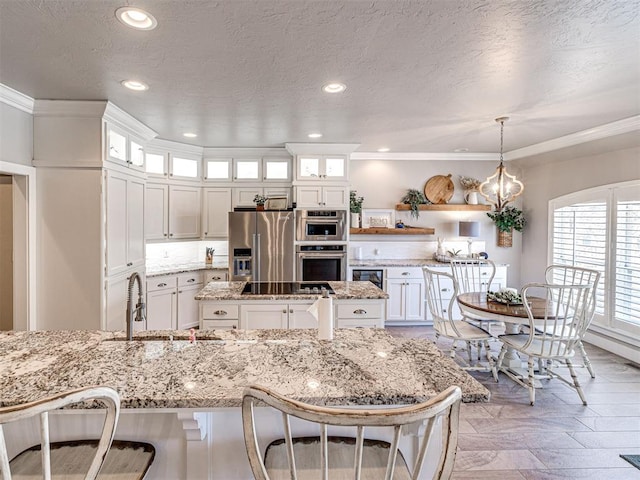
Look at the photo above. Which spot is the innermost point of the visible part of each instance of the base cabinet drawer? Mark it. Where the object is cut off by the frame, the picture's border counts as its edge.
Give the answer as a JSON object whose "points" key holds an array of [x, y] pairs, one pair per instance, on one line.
{"points": [[219, 311], [352, 323], [220, 324], [359, 310]]}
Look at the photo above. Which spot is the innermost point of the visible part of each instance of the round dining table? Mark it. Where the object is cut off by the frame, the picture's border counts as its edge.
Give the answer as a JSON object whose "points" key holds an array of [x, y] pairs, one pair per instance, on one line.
{"points": [[477, 305]]}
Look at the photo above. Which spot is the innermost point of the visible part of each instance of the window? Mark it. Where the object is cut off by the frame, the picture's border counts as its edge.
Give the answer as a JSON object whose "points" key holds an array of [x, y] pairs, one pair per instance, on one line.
{"points": [[600, 229]]}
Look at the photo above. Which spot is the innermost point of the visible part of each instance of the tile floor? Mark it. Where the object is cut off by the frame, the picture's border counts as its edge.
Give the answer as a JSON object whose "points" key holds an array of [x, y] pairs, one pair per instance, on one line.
{"points": [[558, 437]]}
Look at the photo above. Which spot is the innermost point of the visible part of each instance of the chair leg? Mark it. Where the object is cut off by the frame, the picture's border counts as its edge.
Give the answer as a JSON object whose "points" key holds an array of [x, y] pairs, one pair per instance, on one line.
{"points": [[532, 388], [479, 348], [469, 353], [576, 382], [585, 358], [503, 352], [492, 365]]}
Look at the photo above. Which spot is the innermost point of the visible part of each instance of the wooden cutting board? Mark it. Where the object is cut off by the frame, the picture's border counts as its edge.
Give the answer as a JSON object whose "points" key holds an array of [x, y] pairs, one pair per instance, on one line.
{"points": [[439, 189]]}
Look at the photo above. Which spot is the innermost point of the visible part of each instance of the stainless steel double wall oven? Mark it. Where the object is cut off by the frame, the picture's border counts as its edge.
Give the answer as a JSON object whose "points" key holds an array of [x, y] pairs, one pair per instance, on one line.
{"points": [[321, 253]]}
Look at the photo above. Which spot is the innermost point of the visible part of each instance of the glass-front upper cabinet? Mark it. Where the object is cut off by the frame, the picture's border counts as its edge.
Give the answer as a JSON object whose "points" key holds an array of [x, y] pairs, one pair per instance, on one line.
{"points": [[247, 169], [276, 169], [321, 167], [217, 169], [262, 169], [136, 152], [184, 166], [156, 164], [116, 144]]}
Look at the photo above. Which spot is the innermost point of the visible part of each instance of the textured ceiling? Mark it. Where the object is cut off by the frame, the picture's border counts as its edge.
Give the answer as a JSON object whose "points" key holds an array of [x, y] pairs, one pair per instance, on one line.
{"points": [[421, 76]]}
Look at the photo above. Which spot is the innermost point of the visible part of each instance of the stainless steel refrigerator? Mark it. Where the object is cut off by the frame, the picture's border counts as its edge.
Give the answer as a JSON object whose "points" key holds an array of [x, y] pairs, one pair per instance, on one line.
{"points": [[261, 246]]}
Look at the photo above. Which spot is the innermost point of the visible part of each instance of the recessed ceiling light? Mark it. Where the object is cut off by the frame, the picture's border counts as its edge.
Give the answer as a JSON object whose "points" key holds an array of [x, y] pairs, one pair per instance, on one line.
{"points": [[135, 85], [315, 135], [383, 149], [334, 87], [136, 18], [461, 150], [190, 135]]}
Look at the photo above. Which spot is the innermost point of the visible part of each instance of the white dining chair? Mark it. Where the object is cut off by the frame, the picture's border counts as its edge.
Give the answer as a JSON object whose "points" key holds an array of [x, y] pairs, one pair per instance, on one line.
{"points": [[73, 459], [475, 275], [440, 304], [571, 275], [553, 335], [337, 458]]}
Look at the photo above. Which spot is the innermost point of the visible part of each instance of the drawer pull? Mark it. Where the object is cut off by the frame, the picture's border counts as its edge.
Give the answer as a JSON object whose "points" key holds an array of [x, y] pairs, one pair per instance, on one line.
{"points": [[445, 290], [162, 285], [216, 278], [220, 312], [360, 311], [235, 327], [406, 273], [191, 280]]}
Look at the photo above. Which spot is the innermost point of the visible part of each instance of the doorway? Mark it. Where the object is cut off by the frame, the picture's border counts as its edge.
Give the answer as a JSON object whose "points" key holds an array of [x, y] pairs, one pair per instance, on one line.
{"points": [[17, 247]]}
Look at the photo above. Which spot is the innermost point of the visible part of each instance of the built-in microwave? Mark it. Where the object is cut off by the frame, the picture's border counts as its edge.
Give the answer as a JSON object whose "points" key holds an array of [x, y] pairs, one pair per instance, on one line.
{"points": [[321, 225]]}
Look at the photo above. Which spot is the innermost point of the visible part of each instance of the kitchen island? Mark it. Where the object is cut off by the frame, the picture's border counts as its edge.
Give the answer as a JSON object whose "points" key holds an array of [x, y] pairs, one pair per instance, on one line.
{"points": [[223, 305], [183, 397]]}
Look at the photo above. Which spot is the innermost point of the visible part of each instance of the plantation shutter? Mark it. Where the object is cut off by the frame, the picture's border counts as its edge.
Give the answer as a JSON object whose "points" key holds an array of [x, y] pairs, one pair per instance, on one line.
{"points": [[626, 297], [579, 238]]}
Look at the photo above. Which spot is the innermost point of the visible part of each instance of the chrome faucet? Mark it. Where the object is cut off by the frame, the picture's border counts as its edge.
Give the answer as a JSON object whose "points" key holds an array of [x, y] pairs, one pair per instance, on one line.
{"points": [[138, 311]]}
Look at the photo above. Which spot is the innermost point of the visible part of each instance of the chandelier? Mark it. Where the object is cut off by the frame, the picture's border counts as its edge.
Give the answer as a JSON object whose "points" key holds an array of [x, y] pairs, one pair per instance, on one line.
{"points": [[501, 188]]}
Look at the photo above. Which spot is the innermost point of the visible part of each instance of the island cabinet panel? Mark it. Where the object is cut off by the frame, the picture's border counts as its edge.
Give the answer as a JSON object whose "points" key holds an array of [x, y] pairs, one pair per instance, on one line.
{"points": [[161, 309], [359, 314], [299, 317], [219, 316], [262, 316]]}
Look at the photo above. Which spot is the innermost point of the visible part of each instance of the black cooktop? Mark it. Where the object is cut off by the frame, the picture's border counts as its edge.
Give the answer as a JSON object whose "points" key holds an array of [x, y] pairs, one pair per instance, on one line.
{"points": [[286, 288]]}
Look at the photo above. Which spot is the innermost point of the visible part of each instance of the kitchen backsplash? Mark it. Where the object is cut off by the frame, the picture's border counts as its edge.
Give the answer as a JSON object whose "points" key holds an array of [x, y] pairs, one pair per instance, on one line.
{"points": [[159, 254], [404, 250]]}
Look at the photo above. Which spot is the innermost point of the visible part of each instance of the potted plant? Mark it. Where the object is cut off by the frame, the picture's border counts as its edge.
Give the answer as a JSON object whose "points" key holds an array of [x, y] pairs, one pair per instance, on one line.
{"points": [[355, 207], [259, 200], [507, 220], [414, 198]]}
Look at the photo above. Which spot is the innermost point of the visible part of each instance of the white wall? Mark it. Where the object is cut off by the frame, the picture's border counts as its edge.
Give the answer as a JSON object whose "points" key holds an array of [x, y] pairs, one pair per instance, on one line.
{"points": [[383, 183], [6, 253], [16, 135], [547, 177]]}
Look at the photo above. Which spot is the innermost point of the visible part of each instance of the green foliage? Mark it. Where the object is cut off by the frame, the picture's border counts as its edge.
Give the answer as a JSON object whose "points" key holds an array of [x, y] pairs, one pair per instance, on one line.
{"points": [[259, 199], [414, 198], [508, 218], [355, 202]]}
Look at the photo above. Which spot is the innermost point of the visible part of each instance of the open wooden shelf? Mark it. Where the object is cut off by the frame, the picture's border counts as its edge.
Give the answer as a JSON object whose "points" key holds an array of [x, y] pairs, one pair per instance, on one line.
{"points": [[392, 231], [447, 207]]}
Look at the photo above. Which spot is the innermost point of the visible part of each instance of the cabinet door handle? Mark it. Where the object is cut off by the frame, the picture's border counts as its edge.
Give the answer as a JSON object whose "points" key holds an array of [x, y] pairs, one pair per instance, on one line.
{"points": [[206, 233], [220, 312], [484, 274], [129, 264], [171, 234], [291, 310], [360, 311], [179, 291], [173, 293], [165, 234], [445, 290], [162, 285], [235, 327], [284, 310], [191, 280]]}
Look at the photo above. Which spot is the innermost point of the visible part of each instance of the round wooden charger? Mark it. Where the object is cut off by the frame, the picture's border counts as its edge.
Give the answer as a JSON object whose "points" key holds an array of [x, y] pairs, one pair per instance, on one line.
{"points": [[439, 189]]}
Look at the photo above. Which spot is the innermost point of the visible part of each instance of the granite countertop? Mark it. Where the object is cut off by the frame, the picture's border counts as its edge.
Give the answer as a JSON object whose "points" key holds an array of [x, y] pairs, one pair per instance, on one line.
{"points": [[402, 262], [359, 367], [343, 291], [175, 268]]}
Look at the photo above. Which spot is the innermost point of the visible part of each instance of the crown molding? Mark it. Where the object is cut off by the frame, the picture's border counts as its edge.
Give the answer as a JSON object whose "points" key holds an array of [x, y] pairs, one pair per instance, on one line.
{"points": [[597, 133], [424, 156], [69, 108], [253, 152], [321, 148], [115, 114], [15, 99], [174, 147]]}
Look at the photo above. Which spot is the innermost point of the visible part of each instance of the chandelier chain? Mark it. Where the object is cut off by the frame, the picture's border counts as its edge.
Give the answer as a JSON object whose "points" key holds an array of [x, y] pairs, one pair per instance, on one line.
{"points": [[501, 139]]}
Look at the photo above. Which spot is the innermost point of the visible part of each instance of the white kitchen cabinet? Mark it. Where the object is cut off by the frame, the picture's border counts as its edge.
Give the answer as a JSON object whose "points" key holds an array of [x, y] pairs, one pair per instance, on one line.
{"points": [[261, 169], [172, 212], [257, 315], [219, 315], [123, 148], [184, 212], [359, 314], [116, 293], [162, 308], [321, 168], [406, 290], [215, 276], [156, 211], [170, 301], [125, 222], [299, 317], [184, 166], [218, 169], [156, 163], [243, 196], [313, 196], [216, 206]]}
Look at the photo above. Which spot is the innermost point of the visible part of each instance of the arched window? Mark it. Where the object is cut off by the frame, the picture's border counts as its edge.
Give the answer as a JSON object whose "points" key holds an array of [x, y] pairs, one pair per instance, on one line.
{"points": [[599, 228]]}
